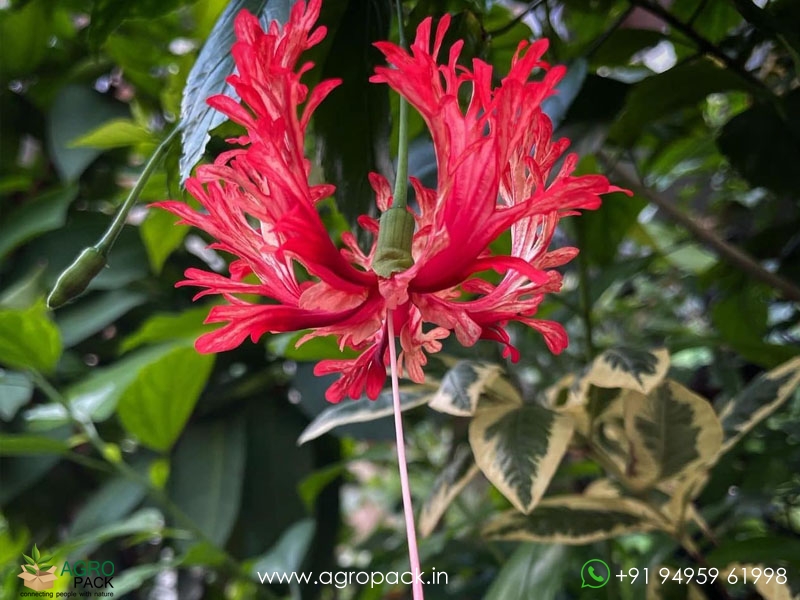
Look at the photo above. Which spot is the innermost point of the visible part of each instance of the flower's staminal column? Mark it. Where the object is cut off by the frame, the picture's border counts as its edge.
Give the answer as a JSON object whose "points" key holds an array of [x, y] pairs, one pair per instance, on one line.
{"points": [[393, 254]]}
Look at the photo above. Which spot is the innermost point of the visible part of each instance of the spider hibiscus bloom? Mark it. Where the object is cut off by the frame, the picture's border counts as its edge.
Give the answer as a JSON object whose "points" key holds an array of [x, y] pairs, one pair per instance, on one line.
{"points": [[496, 171]]}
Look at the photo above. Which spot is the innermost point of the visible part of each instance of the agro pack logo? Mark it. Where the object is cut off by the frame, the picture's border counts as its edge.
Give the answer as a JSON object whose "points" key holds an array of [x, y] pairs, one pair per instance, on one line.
{"points": [[37, 574], [90, 575]]}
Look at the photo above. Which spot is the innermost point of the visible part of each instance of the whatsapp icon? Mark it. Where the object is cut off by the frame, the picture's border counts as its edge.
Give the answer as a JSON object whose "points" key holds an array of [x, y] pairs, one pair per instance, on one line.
{"points": [[595, 573]]}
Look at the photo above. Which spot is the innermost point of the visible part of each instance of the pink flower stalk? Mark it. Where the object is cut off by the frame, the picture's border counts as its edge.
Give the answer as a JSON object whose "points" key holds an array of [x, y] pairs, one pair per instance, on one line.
{"points": [[496, 171]]}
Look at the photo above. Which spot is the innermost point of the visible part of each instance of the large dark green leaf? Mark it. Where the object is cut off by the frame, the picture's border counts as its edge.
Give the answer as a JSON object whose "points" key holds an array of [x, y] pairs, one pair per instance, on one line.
{"points": [[76, 111], [44, 213], [531, 567], [601, 231], [207, 474], [352, 125], [83, 319], [24, 33], [207, 77]]}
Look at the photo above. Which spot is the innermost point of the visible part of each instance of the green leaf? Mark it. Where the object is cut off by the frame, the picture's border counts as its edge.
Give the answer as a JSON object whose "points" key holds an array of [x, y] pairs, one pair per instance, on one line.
{"points": [[207, 77], [601, 231], [206, 477], [147, 521], [453, 478], [352, 125], [161, 236], [671, 431], [626, 368], [44, 213], [83, 319], [662, 95], [531, 567], [22, 444], [132, 579], [762, 145], [519, 448], [762, 397], [76, 110], [166, 327], [116, 133], [16, 390], [25, 33], [107, 15], [29, 559], [363, 410], [111, 502], [29, 339], [31, 570], [714, 22], [96, 397], [286, 556], [157, 404], [573, 520], [36, 554], [315, 349], [462, 386]]}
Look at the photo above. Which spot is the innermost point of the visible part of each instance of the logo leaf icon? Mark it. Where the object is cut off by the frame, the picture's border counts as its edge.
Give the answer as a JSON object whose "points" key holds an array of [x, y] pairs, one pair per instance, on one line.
{"points": [[31, 570], [28, 559], [44, 567], [35, 553]]}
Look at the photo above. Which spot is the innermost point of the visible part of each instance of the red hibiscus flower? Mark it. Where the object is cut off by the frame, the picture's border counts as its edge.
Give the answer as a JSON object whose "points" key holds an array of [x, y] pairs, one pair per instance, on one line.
{"points": [[496, 171]]}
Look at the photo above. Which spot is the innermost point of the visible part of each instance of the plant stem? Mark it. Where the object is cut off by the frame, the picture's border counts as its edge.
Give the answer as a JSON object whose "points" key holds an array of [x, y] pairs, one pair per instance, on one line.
{"points": [[126, 471], [627, 177], [112, 233], [408, 510], [400, 198]]}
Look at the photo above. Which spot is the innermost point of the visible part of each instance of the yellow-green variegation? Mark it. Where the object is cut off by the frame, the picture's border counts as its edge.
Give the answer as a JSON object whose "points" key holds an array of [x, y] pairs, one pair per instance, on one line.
{"points": [[452, 479]]}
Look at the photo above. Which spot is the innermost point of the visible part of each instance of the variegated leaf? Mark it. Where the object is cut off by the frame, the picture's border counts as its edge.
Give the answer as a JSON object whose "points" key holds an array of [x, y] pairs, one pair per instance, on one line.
{"points": [[364, 410], [626, 368], [574, 520], [519, 448], [453, 478], [462, 386], [762, 397], [670, 431], [680, 493]]}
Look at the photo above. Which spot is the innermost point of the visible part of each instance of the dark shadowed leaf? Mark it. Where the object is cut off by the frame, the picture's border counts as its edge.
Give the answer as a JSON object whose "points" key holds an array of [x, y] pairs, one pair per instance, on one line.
{"points": [[661, 95], [107, 15], [531, 567], [352, 125], [43, 213], [16, 390], [206, 477]]}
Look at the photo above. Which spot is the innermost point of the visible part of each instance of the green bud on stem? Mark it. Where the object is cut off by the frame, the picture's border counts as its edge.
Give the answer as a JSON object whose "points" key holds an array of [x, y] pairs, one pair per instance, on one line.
{"points": [[77, 277]]}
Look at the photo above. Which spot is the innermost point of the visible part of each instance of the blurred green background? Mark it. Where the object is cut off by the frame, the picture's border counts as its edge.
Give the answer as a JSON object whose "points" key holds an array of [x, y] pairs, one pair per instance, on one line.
{"points": [[666, 436]]}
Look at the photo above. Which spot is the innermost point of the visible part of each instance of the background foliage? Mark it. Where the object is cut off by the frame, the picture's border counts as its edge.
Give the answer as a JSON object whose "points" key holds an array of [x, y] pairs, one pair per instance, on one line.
{"points": [[668, 434]]}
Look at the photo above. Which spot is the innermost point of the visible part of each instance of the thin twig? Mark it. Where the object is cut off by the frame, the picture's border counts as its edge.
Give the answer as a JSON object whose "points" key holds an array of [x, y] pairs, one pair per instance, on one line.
{"points": [[513, 22], [626, 176]]}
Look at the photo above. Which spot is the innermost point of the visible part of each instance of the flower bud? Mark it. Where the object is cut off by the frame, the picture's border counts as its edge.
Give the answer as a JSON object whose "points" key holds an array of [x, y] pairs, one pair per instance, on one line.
{"points": [[76, 277]]}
